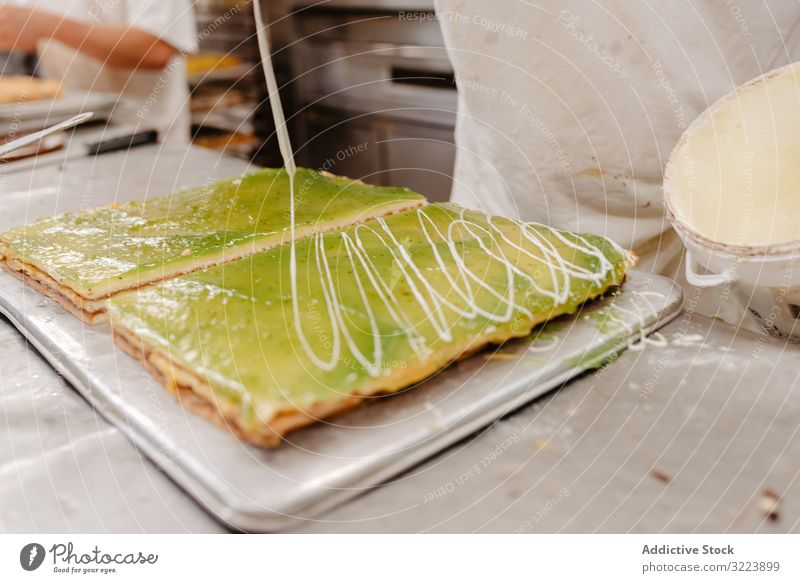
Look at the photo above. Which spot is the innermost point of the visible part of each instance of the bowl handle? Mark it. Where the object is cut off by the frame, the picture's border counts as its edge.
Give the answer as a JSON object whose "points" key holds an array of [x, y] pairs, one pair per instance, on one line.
{"points": [[706, 279]]}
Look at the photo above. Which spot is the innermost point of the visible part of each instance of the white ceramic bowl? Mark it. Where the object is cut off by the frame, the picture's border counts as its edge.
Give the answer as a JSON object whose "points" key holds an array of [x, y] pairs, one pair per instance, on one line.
{"points": [[765, 276]]}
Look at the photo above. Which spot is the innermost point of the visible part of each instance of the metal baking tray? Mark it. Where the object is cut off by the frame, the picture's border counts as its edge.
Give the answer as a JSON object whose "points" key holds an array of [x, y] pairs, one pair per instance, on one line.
{"points": [[30, 116], [262, 490]]}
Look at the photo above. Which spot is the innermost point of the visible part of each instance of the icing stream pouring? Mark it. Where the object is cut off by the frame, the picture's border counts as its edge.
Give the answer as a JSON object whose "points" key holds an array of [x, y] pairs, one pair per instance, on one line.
{"points": [[489, 240]]}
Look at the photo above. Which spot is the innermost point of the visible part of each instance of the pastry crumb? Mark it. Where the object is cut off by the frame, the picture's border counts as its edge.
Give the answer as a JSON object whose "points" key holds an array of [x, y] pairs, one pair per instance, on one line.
{"points": [[769, 504], [660, 476]]}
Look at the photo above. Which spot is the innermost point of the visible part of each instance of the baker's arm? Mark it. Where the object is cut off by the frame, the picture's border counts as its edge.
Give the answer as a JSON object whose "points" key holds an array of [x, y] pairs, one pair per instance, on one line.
{"points": [[115, 45]]}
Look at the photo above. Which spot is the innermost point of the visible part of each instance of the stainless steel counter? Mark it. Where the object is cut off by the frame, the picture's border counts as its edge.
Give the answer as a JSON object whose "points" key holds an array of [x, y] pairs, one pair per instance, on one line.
{"points": [[696, 431]]}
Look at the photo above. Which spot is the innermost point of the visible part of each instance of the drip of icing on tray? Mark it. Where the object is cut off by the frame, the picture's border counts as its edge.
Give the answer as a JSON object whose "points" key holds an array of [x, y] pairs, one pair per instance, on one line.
{"points": [[560, 270], [637, 314]]}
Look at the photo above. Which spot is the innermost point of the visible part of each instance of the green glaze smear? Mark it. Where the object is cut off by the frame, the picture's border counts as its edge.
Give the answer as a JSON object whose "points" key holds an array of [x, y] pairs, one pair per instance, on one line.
{"points": [[102, 250], [340, 313]]}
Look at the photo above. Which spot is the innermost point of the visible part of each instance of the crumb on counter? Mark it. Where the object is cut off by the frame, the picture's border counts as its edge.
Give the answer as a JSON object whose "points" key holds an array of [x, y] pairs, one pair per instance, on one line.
{"points": [[661, 476], [769, 504]]}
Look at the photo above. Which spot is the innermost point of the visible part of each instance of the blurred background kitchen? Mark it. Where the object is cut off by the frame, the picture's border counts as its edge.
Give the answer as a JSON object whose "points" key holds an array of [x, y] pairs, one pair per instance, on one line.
{"points": [[366, 85]]}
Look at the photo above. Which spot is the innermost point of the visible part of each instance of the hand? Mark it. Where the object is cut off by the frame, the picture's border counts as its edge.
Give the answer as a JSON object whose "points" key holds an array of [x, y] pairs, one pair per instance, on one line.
{"points": [[20, 28]]}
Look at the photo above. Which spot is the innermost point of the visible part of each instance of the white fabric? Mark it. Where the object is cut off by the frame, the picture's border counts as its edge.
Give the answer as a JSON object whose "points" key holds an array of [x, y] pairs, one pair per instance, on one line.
{"points": [[159, 99], [569, 109]]}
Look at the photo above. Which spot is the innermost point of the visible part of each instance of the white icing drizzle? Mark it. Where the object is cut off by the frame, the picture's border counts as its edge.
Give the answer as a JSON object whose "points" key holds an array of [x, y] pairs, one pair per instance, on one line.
{"points": [[464, 283], [640, 340], [547, 346]]}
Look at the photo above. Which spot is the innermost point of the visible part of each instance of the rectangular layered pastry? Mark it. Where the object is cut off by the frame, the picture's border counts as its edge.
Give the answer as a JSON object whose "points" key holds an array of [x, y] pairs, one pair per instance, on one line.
{"points": [[82, 259], [294, 334]]}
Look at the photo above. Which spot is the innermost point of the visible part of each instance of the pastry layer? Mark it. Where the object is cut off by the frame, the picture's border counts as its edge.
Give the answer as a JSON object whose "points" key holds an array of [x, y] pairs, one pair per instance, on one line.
{"points": [[22, 88], [293, 334], [89, 256]]}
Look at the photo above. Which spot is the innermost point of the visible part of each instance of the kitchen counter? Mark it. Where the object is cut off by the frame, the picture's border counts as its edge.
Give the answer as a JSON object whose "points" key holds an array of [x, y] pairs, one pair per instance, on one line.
{"points": [[694, 431]]}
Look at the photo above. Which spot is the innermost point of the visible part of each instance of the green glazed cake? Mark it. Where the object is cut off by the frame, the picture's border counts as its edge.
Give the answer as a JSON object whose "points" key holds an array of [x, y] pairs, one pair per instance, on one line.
{"points": [[81, 259], [303, 330]]}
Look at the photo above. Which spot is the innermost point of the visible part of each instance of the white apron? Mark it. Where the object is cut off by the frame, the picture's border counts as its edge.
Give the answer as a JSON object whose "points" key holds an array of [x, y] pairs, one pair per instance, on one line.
{"points": [[568, 110]]}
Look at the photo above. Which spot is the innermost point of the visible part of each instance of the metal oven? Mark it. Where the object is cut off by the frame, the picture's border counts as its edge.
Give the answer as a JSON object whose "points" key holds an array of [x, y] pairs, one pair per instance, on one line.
{"points": [[371, 90]]}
